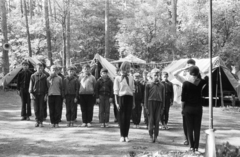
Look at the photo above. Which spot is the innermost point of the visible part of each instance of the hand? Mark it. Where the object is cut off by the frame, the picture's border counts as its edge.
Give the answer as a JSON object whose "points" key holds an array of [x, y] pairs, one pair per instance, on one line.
{"points": [[97, 101], [45, 98], [118, 107], [32, 96], [75, 100], [133, 105], [110, 100]]}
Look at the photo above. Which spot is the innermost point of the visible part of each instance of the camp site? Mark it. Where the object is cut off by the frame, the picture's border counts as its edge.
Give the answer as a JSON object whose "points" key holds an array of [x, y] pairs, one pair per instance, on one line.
{"points": [[119, 78]]}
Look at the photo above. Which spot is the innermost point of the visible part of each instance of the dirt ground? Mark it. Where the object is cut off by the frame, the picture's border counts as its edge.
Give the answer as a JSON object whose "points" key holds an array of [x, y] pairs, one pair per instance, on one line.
{"points": [[21, 138]]}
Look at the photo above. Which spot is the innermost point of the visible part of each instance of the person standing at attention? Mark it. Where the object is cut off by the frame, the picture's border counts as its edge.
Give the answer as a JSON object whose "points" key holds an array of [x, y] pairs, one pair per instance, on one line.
{"points": [[38, 90], [86, 95], [168, 99], [154, 104], [124, 89], [22, 87]]}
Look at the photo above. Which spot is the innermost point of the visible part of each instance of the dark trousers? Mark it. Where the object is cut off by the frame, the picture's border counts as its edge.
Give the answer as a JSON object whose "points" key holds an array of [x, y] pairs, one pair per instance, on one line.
{"points": [[61, 108], [115, 110], [26, 103], [145, 116], [125, 103], [45, 109], [194, 120], [54, 102], [184, 126], [154, 108], [104, 109], [38, 107], [71, 108], [87, 103], [165, 115], [136, 113]]}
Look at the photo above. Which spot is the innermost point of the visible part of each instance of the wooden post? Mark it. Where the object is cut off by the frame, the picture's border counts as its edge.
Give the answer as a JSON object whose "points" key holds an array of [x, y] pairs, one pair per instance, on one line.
{"points": [[221, 90]]}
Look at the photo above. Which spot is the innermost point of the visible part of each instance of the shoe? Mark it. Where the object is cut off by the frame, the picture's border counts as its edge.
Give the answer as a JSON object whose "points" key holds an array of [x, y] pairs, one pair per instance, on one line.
{"points": [[122, 139], [84, 125], [166, 127], [127, 139], [28, 119], [41, 124], [89, 125], [37, 124], [68, 124], [155, 140], [137, 126], [106, 125], [196, 151], [151, 139], [186, 142], [102, 126], [56, 125], [72, 124], [24, 118], [52, 125]]}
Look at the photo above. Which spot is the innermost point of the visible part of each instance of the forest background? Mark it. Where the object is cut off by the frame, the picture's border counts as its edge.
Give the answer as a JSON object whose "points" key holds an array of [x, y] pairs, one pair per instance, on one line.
{"points": [[73, 31]]}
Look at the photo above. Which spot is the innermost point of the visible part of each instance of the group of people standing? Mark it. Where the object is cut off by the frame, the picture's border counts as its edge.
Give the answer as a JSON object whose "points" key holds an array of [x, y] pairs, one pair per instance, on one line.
{"points": [[130, 93]]}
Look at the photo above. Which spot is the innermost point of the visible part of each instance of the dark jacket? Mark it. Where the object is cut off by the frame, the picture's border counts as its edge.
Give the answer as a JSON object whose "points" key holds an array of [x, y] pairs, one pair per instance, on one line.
{"points": [[23, 80], [104, 87], [168, 90], [139, 91], [38, 84], [70, 86]]}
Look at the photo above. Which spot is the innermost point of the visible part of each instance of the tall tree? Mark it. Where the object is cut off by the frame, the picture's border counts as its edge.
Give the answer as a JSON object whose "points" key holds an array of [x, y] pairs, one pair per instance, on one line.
{"points": [[31, 9], [48, 32], [68, 53], [174, 24], [5, 58], [107, 28], [27, 28]]}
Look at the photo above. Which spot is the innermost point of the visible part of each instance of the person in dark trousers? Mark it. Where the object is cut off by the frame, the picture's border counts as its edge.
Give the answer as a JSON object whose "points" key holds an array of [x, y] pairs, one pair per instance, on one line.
{"points": [[55, 92], [124, 98], [144, 81], [181, 79], [115, 110], [154, 104], [139, 100], [87, 95], [168, 99], [192, 106], [70, 87], [104, 94], [22, 87], [62, 76], [45, 102], [38, 90]]}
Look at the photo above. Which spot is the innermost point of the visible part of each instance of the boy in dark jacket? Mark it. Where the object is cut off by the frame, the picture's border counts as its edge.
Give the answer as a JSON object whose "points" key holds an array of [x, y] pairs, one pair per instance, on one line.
{"points": [[71, 86], [154, 104], [38, 90], [139, 99], [104, 94], [22, 87]]}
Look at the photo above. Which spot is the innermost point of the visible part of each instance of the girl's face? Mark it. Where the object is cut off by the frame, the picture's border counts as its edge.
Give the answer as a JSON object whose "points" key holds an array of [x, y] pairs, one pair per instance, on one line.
{"points": [[155, 76], [191, 78], [71, 72], [86, 70], [126, 70], [104, 74]]}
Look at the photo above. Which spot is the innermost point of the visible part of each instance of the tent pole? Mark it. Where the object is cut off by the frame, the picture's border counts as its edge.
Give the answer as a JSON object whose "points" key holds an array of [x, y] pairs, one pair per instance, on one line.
{"points": [[216, 90], [221, 90]]}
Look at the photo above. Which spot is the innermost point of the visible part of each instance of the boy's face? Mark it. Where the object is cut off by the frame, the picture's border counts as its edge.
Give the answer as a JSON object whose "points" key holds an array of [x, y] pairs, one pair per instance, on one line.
{"points": [[86, 70], [155, 76], [71, 72], [164, 77], [39, 68], [54, 70], [25, 66], [136, 78], [103, 74]]}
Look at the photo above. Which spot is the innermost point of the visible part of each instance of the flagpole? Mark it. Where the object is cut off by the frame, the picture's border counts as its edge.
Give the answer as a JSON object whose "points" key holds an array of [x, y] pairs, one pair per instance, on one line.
{"points": [[210, 150]]}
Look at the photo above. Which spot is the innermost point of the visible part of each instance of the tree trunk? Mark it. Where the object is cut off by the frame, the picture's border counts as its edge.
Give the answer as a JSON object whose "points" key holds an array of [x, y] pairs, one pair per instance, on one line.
{"points": [[64, 48], [5, 58], [174, 25], [106, 28], [48, 32], [31, 9], [21, 5], [54, 10], [68, 53], [27, 27], [50, 10]]}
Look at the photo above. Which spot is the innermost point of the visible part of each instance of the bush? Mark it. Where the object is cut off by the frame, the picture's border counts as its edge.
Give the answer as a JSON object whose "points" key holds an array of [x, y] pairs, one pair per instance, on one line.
{"points": [[227, 150]]}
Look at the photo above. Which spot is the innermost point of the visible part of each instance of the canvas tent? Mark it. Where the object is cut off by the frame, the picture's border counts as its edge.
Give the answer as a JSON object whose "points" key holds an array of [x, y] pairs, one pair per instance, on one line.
{"points": [[12, 75], [224, 82], [130, 58], [105, 64]]}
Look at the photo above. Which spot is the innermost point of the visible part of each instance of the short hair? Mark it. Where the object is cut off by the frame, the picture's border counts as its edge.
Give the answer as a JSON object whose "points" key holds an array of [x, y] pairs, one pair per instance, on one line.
{"points": [[194, 70], [125, 65], [164, 73], [54, 67], [86, 66], [191, 61]]}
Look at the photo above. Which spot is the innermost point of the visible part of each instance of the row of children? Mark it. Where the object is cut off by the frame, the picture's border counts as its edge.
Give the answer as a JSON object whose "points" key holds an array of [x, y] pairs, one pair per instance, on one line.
{"points": [[129, 94]]}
